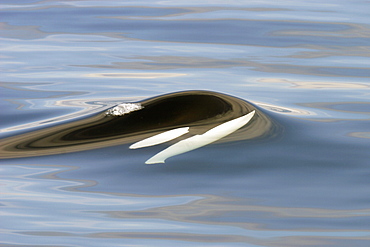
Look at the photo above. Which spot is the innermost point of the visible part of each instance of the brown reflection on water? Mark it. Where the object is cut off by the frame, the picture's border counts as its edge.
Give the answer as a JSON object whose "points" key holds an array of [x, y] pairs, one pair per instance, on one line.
{"points": [[360, 134], [136, 75], [200, 110], [181, 62], [20, 32], [345, 107], [314, 84], [317, 51], [173, 62], [245, 221], [211, 207], [340, 111], [190, 237], [351, 30], [223, 211]]}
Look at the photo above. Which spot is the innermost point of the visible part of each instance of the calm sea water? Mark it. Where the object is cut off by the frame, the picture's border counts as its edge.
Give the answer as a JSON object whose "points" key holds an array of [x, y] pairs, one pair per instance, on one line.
{"points": [[304, 64]]}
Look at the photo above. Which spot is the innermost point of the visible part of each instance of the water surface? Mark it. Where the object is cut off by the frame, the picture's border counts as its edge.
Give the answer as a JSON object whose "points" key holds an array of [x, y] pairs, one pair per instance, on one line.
{"points": [[303, 65]]}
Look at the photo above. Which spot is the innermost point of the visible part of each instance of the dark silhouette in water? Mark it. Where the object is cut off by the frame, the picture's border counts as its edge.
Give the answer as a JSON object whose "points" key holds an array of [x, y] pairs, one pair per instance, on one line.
{"points": [[195, 112]]}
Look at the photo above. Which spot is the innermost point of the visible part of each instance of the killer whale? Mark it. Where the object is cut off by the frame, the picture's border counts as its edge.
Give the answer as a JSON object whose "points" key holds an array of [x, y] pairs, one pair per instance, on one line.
{"points": [[175, 115]]}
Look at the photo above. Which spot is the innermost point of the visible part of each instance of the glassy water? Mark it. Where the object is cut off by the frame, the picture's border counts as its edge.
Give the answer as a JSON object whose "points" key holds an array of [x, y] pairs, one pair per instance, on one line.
{"points": [[296, 174]]}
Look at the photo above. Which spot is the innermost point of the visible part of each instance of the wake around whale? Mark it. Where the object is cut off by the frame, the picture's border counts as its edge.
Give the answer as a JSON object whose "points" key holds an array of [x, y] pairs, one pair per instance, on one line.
{"points": [[187, 120]]}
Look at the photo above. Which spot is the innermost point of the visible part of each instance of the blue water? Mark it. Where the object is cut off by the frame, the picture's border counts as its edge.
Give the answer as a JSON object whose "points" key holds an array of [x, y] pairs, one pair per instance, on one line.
{"points": [[304, 64]]}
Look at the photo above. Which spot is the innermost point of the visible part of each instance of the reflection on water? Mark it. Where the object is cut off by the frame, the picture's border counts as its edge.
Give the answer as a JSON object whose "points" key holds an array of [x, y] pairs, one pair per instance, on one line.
{"points": [[360, 134], [58, 209], [284, 110], [296, 174], [344, 107], [202, 111], [136, 75], [339, 111], [314, 84]]}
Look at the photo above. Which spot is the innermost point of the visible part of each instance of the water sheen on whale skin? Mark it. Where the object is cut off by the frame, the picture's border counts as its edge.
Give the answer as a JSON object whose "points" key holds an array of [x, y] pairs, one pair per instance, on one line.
{"points": [[199, 111]]}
